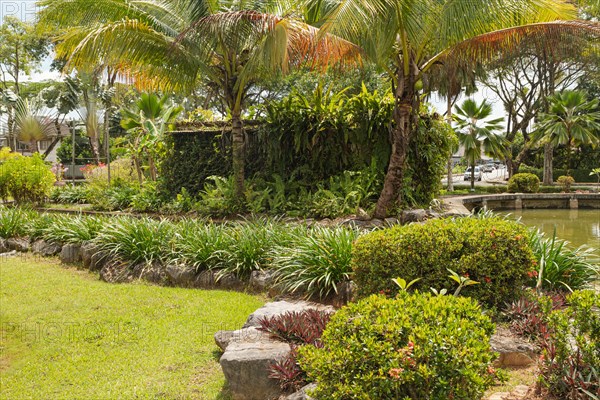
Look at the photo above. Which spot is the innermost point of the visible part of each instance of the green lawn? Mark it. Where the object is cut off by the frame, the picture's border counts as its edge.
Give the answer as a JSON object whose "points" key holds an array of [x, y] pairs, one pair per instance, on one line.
{"points": [[66, 335]]}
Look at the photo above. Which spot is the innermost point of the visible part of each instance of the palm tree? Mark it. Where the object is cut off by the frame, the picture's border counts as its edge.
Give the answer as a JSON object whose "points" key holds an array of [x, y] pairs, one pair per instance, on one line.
{"points": [[147, 121], [572, 120], [476, 133], [408, 38], [229, 44]]}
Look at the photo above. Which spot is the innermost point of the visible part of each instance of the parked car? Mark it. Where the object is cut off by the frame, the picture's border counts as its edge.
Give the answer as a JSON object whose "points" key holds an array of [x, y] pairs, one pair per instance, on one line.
{"points": [[477, 174], [488, 168]]}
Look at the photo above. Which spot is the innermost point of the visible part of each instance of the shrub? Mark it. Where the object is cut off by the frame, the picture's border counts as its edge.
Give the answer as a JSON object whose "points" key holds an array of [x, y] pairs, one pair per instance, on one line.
{"points": [[147, 199], [491, 251], [565, 183], [524, 183], [14, 221], [137, 241], [562, 267], [412, 347], [316, 262], [26, 179], [571, 352]]}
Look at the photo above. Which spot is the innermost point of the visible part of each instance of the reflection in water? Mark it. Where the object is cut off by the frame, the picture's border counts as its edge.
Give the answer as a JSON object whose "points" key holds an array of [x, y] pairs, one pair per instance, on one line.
{"points": [[576, 226]]}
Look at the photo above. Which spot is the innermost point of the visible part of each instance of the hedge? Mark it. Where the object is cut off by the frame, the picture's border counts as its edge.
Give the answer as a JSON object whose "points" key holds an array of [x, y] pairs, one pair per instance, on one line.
{"points": [[580, 175], [491, 251]]}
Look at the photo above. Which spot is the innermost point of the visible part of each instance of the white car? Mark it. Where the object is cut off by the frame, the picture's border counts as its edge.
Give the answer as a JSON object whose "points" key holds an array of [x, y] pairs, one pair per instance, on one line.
{"points": [[477, 174]]}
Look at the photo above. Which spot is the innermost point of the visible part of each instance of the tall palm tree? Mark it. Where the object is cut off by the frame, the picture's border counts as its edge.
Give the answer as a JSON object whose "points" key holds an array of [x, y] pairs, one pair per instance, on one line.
{"points": [[572, 120], [408, 38], [229, 43], [477, 133]]}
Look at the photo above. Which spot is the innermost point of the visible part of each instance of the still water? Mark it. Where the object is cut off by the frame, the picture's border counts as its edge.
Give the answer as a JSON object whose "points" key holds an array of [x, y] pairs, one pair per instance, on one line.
{"points": [[576, 226]]}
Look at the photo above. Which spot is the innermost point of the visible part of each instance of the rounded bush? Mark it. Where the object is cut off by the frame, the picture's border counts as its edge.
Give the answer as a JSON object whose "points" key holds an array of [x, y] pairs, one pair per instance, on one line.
{"points": [[524, 183], [565, 182], [26, 179], [411, 347], [491, 251]]}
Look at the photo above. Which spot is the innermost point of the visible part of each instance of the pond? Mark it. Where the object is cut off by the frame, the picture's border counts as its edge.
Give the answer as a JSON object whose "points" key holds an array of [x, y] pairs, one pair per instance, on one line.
{"points": [[579, 227]]}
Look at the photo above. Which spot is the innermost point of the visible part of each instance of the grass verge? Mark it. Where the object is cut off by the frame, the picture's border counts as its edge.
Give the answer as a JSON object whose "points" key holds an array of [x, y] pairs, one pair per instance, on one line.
{"points": [[66, 335]]}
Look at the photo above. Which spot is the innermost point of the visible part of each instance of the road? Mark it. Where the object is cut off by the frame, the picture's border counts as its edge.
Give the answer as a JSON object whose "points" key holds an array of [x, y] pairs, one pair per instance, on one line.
{"points": [[495, 177]]}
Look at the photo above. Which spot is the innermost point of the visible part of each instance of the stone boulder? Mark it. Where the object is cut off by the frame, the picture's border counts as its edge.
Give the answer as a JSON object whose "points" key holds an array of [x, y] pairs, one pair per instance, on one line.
{"points": [[3, 246], [247, 335], [408, 216], [87, 251], [46, 249], [181, 275], [282, 307], [70, 253], [229, 282], [301, 394], [98, 260], [245, 366], [514, 351], [116, 272], [262, 280], [18, 244], [150, 272]]}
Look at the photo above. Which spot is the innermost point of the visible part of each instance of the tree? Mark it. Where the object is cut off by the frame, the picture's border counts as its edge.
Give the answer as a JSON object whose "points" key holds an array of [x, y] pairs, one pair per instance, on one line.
{"points": [[409, 38], [147, 122], [477, 133], [572, 120], [22, 49], [31, 124], [229, 44]]}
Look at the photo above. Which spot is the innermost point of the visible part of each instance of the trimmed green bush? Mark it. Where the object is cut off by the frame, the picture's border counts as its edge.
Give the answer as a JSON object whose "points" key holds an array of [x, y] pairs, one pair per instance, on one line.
{"points": [[565, 182], [524, 183], [413, 347], [26, 179], [491, 251]]}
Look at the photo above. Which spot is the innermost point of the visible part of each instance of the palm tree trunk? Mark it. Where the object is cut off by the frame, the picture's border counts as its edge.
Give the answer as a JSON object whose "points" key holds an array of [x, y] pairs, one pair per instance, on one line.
{"points": [[450, 178], [95, 145], [472, 175], [238, 153], [406, 106], [548, 179]]}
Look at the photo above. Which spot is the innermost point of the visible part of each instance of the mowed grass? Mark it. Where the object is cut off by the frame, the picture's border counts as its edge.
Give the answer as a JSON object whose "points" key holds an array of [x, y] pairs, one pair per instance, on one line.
{"points": [[67, 335]]}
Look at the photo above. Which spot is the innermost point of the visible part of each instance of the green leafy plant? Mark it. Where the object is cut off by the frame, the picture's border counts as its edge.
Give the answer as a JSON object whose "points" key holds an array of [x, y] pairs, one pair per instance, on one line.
{"points": [[491, 250], [73, 229], [571, 350], [142, 240], [415, 346], [565, 182], [561, 267], [316, 261], [596, 171], [196, 242], [14, 221], [524, 183], [70, 194]]}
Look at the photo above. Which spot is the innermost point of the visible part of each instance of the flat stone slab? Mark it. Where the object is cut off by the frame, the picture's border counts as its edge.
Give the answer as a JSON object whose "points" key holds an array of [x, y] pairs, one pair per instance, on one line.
{"points": [[282, 307], [248, 335]]}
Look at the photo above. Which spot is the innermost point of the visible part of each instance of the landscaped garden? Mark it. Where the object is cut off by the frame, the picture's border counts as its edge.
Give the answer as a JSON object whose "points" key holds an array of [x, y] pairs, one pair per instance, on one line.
{"points": [[254, 200]]}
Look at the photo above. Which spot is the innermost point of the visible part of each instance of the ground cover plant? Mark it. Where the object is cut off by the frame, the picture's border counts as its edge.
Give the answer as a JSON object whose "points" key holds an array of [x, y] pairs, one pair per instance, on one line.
{"points": [[67, 335]]}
